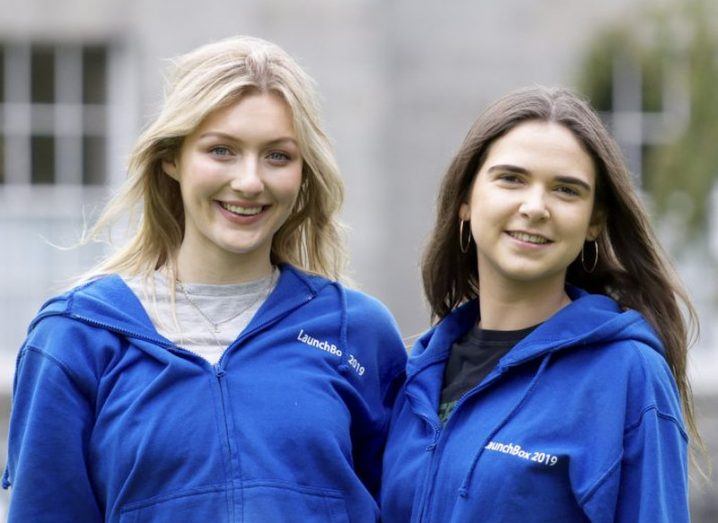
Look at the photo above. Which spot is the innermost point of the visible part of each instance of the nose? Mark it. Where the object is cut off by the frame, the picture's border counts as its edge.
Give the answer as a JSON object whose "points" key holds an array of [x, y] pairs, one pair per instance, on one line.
{"points": [[247, 177], [534, 206]]}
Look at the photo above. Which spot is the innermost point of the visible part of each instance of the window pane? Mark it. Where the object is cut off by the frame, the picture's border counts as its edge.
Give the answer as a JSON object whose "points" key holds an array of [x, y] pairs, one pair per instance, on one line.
{"points": [[93, 120], [93, 160], [94, 75], [43, 74], [43, 159]]}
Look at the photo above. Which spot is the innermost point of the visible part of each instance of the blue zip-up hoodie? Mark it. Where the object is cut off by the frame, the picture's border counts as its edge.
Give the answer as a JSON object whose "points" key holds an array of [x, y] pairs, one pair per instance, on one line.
{"points": [[112, 422], [580, 421]]}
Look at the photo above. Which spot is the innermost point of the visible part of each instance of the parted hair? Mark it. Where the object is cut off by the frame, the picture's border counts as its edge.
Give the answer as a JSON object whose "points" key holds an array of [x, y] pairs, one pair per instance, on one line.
{"points": [[632, 267], [198, 83]]}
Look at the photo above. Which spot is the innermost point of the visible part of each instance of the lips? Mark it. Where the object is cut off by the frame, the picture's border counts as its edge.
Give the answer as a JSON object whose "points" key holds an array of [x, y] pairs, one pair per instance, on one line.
{"points": [[242, 210], [536, 239]]}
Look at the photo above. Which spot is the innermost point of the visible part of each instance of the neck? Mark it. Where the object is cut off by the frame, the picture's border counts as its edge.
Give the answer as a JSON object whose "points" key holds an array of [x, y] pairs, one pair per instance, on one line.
{"points": [[221, 268], [518, 306]]}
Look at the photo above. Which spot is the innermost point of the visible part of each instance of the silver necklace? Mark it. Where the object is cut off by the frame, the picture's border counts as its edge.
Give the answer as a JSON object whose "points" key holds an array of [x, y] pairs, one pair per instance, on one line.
{"points": [[216, 325]]}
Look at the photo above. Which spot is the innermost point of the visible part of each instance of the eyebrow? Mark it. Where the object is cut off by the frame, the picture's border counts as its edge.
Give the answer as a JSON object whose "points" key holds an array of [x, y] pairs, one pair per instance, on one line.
{"points": [[225, 136], [571, 180]]}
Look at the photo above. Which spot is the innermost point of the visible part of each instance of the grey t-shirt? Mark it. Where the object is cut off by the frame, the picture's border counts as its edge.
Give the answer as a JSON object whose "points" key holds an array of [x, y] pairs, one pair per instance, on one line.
{"points": [[199, 308]]}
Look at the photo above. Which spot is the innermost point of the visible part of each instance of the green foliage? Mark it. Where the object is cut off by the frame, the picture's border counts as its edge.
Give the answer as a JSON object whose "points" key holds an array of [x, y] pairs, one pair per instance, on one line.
{"points": [[678, 39]]}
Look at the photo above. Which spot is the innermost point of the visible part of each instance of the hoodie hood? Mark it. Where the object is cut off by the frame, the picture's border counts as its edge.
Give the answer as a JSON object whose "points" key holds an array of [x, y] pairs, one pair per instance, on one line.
{"points": [[588, 319], [107, 302]]}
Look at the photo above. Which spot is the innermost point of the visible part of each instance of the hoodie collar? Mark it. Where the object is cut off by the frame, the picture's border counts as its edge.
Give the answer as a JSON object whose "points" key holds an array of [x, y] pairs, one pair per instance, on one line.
{"points": [[107, 302], [589, 318], [435, 344]]}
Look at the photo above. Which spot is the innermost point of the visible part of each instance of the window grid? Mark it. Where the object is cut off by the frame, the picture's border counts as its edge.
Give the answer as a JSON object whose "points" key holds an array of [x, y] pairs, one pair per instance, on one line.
{"points": [[635, 126], [53, 113]]}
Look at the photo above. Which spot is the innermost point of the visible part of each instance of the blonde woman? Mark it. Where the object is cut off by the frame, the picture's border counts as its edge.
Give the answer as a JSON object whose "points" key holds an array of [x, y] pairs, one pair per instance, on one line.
{"points": [[212, 369], [553, 386]]}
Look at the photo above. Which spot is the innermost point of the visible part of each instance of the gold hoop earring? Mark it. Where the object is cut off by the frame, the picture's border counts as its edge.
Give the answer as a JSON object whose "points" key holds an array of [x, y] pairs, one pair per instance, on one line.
{"points": [[462, 247], [595, 257]]}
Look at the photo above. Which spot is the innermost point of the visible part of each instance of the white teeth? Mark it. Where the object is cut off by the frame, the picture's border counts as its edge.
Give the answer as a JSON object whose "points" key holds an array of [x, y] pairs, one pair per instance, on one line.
{"points": [[530, 238], [246, 211]]}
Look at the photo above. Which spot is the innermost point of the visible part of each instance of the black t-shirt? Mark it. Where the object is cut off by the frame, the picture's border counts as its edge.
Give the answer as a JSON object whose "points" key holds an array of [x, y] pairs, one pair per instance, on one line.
{"points": [[472, 358]]}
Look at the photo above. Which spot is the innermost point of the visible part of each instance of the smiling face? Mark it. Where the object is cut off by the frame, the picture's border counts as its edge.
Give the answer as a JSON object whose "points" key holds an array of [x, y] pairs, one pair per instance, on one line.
{"points": [[239, 174], [531, 206]]}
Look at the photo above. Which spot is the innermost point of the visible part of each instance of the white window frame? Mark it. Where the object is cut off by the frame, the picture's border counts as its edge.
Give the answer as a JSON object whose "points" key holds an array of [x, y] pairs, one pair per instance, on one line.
{"points": [[67, 119]]}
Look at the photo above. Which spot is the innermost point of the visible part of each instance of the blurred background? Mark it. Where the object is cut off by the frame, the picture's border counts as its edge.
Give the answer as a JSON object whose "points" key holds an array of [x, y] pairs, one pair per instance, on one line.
{"points": [[401, 82]]}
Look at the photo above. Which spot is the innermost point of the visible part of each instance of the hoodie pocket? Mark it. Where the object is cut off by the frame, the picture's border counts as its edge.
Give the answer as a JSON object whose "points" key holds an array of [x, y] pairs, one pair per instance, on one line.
{"points": [[271, 501], [202, 504], [255, 501]]}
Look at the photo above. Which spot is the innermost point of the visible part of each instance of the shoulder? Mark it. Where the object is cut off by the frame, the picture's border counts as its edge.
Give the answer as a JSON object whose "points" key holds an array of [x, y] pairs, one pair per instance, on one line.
{"points": [[636, 351], [651, 383], [369, 319], [367, 330], [104, 288], [641, 375], [371, 326], [58, 345], [63, 331], [58, 311], [359, 306], [365, 307]]}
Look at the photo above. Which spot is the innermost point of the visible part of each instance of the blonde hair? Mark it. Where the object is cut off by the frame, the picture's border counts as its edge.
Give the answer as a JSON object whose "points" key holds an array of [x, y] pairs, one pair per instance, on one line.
{"points": [[200, 82]]}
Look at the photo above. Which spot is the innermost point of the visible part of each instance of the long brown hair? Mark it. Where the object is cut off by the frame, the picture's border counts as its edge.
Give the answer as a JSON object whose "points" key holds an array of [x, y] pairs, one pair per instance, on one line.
{"points": [[632, 268]]}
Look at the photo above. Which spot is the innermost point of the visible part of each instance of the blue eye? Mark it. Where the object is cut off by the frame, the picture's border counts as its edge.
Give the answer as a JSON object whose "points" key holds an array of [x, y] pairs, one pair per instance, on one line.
{"points": [[278, 157], [220, 150]]}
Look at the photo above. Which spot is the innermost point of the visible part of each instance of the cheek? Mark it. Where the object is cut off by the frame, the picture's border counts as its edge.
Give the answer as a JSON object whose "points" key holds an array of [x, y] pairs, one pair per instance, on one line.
{"points": [[577, 223], [491, 206], [287, 185], [206, 172], [199, 176]]}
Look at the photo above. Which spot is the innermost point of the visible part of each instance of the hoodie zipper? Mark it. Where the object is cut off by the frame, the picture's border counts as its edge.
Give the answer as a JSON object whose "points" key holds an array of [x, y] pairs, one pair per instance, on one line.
{"points": [[219, 373], [216, 369], [428, 475], [440, 441], [436, 447]]}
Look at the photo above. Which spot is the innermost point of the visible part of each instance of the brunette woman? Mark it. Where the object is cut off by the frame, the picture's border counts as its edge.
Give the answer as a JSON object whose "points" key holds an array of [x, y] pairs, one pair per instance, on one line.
{"points": [[553, 386]]}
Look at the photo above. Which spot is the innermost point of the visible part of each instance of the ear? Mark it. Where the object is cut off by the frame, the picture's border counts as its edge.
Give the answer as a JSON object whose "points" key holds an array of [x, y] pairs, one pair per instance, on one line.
{"points": [[465, 212], [170, 168], [598, 221]]}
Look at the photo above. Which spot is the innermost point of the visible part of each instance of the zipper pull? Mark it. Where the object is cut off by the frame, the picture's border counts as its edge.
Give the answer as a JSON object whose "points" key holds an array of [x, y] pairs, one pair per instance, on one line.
{"points": [[218, 371], [431, 446]]}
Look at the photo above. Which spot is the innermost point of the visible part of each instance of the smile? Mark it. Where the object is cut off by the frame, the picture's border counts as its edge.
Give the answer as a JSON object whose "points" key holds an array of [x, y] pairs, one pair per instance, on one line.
{"points": [[242, 211], [529, 238]]}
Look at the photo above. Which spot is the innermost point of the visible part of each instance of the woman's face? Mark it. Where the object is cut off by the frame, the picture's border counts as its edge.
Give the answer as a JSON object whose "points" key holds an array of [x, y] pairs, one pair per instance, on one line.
{"points": [[531, 206], [239, 174]]}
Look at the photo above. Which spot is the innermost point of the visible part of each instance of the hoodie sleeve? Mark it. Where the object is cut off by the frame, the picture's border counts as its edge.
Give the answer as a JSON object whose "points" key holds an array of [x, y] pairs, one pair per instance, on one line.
{"points": [[654, 472], [649, 482], [50, 424], [373, 333]]}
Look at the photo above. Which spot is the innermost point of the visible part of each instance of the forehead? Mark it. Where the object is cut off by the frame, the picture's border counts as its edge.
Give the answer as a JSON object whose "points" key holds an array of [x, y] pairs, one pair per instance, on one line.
{"points": [[259, 112], [537, 145]]}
